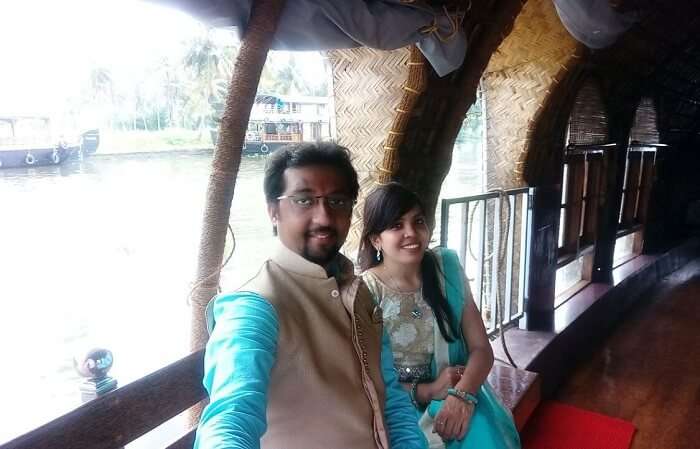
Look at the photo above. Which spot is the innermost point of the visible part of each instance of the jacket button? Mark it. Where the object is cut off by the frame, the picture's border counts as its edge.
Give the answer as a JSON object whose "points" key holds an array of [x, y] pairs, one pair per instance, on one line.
{"points": [[335, 293]]}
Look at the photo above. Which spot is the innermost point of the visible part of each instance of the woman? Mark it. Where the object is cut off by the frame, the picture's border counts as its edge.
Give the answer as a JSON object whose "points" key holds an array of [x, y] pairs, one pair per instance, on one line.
{"points": [[439, 341]]}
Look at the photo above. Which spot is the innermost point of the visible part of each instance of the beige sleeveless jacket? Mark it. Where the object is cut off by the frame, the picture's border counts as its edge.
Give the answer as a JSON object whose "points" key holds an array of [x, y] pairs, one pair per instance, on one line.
{"points": [[326, 388]]}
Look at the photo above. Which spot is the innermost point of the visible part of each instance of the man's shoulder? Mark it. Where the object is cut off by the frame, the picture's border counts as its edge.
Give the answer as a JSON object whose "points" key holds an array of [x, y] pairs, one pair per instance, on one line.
{"points": [[245, 286], [245, 295], [276, 285], [238, 304]]}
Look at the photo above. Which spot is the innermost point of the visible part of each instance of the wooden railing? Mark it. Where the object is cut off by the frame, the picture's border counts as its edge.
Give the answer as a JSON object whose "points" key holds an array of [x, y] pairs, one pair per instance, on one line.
{"points": [[282, 137], [127, 413], [118, 418]]}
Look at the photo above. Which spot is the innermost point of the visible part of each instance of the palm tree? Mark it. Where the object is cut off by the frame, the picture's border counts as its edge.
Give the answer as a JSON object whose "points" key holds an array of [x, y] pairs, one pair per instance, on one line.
{"points": [[101, 90], [209, 66], [282, 76], [171, 80], [101, 82]]}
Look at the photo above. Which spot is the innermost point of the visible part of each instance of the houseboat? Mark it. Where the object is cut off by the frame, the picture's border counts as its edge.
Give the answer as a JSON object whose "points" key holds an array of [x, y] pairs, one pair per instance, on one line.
{"points": [[26, 141], [277, 120]]}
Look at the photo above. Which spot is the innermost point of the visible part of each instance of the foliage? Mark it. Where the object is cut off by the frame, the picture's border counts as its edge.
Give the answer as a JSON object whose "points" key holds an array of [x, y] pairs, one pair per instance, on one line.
{"points": [[183, 90], [282, 77], [209, 68], [169, 91]]}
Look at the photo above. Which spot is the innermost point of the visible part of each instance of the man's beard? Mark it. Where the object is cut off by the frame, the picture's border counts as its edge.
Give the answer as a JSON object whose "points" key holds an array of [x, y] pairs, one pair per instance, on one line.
{"points": [[321, 259], [322, 255]]}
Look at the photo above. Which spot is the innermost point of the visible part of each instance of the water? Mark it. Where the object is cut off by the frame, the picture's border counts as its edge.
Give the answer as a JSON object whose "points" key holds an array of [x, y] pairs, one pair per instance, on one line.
{"points": [[101, 252]]}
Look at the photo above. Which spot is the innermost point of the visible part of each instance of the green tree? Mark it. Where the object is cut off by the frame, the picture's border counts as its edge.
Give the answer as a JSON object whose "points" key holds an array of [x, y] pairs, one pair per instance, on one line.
{"points": [[101, 84], [281, 76], [209, 66], [100, 94]]}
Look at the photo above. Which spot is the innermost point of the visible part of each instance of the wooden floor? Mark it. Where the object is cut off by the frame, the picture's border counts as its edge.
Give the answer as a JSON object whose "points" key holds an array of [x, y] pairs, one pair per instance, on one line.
{"points": [[648, 370]]}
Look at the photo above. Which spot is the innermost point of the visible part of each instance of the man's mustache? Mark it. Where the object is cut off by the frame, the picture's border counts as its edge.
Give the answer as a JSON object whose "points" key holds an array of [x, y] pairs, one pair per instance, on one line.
{"points": [[322, 229]]}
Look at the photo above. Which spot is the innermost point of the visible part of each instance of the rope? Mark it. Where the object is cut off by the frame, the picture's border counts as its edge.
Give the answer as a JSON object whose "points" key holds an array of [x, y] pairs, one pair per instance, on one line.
{"points": [[502, 243], [471, 221], [412, 89], [248, 67], [214, 273], [455, 20]]}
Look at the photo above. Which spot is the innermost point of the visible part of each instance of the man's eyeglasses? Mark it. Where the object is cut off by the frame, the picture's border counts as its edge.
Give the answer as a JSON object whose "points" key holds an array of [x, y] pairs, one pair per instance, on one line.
{"points": [[338, 203]]}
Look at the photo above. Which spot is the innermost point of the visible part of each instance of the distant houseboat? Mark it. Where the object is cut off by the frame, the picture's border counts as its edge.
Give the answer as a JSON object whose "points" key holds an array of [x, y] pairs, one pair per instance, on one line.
{"points": [[278, 120], [26, 141]]}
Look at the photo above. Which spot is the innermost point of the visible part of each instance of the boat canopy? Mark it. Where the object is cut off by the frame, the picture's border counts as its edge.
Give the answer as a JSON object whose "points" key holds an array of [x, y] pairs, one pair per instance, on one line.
{"points": [[390, 24], [335, 24]]}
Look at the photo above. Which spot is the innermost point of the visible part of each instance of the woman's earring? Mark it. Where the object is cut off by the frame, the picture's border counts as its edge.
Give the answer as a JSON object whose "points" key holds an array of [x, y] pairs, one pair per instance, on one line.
{"points": [[379, 255]]}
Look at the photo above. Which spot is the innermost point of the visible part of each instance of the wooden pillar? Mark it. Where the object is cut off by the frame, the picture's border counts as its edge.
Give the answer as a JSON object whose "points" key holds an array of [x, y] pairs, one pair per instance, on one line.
{"points": [[620, 118], [539, 309], [662, 229], [622, 99]]}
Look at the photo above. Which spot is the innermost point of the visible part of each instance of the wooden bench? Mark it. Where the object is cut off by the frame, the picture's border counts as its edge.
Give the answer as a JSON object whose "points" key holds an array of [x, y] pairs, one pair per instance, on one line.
{"points": [[518, 389], [122, 416]]}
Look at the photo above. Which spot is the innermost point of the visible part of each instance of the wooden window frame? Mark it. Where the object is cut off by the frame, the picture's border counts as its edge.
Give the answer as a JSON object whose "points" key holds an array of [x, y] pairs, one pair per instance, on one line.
{"points": [[583, 189], [640, 170]]}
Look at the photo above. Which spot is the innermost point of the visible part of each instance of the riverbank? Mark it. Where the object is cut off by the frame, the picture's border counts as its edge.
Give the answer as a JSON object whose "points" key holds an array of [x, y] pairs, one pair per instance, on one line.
{"points": [[170, 139]]}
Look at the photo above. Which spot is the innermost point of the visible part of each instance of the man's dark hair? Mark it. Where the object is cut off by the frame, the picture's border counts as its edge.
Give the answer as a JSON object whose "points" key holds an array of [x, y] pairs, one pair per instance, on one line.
{"points": [[303, 155]]}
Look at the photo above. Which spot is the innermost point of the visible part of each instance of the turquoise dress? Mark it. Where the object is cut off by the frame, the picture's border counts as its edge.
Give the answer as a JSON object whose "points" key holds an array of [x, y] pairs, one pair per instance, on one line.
{"points": [[421, 352]]}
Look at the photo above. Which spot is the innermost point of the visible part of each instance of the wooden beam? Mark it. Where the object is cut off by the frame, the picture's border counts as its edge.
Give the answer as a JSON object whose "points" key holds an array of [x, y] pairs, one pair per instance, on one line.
{"points": [[426, 152]]}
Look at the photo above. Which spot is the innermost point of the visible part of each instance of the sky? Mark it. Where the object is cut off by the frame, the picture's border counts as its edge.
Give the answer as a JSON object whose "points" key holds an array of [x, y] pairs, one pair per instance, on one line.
{"points": [[47, 46]]}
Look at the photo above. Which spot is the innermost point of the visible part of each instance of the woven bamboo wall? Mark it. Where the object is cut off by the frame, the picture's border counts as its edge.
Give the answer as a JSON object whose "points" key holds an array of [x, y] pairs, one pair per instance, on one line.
{"points": [[366, 86], [645, 127], [519, 77], [588, 124]]}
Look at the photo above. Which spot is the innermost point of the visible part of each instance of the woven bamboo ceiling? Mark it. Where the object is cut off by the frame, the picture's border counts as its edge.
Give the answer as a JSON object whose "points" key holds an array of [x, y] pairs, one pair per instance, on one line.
{"points": [[662, 52]]}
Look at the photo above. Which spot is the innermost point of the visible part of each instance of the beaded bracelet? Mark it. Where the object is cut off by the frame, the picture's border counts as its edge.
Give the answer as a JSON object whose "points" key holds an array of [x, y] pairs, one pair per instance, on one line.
{"points": [[414, 392], [463, 395]]}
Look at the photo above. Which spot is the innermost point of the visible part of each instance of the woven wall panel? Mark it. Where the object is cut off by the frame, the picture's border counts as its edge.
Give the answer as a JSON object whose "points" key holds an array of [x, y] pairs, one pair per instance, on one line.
{"points": [[366, 87], [645, 127], [588, 123], [516, 83]]}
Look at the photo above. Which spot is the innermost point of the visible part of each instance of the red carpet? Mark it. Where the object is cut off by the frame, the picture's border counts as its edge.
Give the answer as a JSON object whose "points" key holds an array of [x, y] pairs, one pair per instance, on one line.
{"points": [[559, 426]]}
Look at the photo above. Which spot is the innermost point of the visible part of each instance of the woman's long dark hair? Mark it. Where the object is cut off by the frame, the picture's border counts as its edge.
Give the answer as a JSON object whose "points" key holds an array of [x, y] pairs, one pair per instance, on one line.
{"points": [[383, 207]]}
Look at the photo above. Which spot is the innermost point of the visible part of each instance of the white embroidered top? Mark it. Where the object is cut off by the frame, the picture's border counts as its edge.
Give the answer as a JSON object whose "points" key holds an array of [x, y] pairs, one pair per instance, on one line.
{"points": [[409, 322]]}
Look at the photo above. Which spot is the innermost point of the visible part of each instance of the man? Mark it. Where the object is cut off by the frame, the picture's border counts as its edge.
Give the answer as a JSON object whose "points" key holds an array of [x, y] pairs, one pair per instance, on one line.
{"points": [[297, 358]]}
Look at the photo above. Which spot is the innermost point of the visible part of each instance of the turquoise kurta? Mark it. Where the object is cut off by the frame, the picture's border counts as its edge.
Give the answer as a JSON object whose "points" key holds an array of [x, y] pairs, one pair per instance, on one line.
{"points": [[491, 425]]}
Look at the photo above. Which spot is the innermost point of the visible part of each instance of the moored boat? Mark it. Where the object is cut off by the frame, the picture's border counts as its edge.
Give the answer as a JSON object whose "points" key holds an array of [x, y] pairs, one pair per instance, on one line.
{"points": [[278, 120], [26, 141]]}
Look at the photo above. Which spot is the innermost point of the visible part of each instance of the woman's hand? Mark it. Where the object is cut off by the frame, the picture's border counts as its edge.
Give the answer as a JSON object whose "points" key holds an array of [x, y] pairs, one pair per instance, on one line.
{"points": [[447, 378], [452, 422]]}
